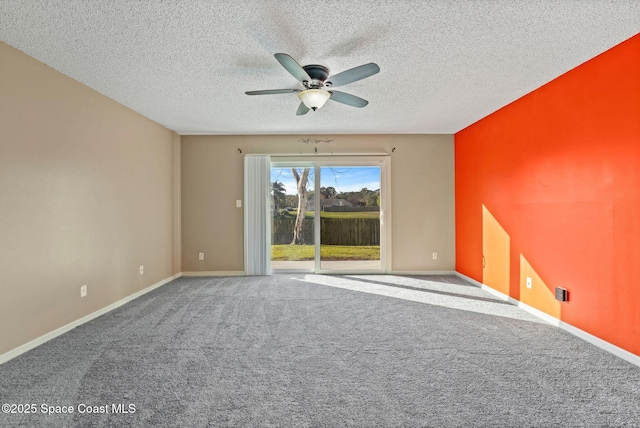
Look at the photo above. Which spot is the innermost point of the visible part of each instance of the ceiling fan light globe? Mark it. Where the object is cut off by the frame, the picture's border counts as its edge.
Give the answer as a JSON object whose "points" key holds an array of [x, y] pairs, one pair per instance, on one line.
{"points": [[314, 98]]}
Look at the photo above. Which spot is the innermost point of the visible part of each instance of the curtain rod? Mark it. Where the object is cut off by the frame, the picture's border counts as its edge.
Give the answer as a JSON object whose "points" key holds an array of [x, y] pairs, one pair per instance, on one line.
{"points": [[283, 155]]}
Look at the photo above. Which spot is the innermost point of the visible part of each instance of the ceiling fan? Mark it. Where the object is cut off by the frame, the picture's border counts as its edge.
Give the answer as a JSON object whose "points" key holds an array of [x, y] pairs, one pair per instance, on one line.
{"points": [[314, 78]]}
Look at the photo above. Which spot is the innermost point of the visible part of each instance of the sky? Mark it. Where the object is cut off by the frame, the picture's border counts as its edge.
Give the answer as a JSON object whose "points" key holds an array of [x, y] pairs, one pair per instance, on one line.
{"points": [[342, 178]]}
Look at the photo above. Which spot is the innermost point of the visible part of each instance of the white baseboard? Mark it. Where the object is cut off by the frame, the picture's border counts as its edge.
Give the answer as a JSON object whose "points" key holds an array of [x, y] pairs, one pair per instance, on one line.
{"points": [[488, 289], [365, 272], [588, 337], [421, 272], [215, 273], [55, 333]]}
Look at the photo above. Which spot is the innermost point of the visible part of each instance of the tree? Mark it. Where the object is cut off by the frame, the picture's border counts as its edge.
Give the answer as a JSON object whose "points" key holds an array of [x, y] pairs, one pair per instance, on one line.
{"points": [[369, 197], [291, 200], [301, 186], [278, 192], [328, 192]]}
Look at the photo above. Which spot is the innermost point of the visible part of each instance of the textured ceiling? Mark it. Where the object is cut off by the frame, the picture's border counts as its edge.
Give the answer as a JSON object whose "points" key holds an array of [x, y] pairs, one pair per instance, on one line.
{"points": [[444, 63]]}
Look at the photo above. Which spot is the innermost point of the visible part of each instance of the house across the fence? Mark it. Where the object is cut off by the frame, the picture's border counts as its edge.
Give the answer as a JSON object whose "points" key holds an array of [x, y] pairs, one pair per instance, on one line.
{"points": [[328, 203]]}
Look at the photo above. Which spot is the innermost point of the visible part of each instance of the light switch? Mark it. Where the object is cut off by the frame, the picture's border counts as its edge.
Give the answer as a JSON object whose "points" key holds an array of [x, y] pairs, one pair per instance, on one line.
{"points": [[238, 203]]}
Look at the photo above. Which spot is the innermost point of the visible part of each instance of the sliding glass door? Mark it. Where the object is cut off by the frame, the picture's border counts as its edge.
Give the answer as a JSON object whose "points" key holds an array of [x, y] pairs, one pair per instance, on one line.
{"points": [[292, 228], [349, 204], [327, 215]]}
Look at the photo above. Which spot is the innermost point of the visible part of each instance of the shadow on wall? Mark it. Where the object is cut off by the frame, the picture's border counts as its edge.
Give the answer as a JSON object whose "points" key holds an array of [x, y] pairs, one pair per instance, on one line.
{"points": [[496, 269]]}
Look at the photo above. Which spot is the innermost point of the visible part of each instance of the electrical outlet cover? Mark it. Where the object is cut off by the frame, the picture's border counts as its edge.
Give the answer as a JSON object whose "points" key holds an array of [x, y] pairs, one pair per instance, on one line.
{"points": [[562, 294]]}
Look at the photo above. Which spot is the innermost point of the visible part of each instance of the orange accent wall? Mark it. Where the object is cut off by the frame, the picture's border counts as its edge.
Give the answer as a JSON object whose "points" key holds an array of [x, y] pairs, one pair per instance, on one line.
{"points": [[559, 171]]}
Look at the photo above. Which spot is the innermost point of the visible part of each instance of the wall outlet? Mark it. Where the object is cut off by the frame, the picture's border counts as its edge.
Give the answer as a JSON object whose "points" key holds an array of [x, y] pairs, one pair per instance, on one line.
{"points": [[562, 294], [435, 256], [141, 269], [83, 291], [200, 256], [238, 203], [529, 282]]}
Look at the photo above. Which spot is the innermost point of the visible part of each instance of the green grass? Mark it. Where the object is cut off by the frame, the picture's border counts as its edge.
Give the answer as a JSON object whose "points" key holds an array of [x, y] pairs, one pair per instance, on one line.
{"points": [[343, 252], [327, 252], [310, 214], [362, 214]]}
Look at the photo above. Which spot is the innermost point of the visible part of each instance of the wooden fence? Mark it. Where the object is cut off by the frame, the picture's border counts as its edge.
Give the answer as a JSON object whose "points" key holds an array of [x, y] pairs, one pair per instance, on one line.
{"points": [[333, 231]]}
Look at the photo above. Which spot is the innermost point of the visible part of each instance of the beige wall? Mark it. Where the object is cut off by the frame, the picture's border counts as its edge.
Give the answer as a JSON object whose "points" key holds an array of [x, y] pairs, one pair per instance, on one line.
{"points": [[422, 182], [87, 194]]}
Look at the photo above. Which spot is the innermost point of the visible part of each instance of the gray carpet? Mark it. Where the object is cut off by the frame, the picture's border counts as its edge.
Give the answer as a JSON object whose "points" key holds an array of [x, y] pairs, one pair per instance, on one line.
{"points": [[304, 350]]}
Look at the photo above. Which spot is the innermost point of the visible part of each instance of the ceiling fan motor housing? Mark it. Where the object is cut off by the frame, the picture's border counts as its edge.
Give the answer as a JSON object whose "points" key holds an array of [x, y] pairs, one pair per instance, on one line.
{"points": [[318, 74]]}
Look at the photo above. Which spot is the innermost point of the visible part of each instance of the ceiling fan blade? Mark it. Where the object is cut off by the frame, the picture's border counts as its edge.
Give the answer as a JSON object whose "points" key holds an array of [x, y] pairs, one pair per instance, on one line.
{"points": [[292, 67], [348, 99], [272, 91], [353, 74], [302, 110]]}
